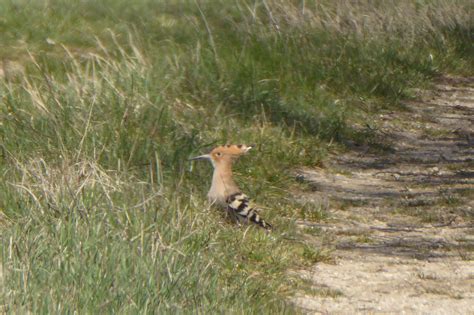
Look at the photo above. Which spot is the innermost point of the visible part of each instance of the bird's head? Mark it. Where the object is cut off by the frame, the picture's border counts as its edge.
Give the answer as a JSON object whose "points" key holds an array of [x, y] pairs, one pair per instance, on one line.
{"points": [[225, 154]]}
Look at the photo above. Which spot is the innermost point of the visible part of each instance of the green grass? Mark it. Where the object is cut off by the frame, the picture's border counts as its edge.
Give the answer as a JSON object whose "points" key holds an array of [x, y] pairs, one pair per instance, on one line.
{"points": [[102, 104]]}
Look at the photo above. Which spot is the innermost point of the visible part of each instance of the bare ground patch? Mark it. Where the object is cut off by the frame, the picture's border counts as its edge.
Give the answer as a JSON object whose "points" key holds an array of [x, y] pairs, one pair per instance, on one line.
{"points": [[401, 223]]}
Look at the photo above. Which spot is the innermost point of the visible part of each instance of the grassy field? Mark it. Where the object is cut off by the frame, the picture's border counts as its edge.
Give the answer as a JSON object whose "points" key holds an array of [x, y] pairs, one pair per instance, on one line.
{"points": [[103, 102]]}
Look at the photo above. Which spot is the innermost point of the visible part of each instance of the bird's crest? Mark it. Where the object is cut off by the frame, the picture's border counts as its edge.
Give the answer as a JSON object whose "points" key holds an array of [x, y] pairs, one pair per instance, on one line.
{"points": [[227, 152], [231, 149]]}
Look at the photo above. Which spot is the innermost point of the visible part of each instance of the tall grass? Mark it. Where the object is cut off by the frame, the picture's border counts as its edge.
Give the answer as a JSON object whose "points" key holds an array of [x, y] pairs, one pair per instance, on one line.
{"points": [[102, 103]]}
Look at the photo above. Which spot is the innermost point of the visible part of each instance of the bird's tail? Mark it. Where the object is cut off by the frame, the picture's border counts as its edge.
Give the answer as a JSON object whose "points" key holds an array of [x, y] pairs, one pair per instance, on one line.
{"points": [[239, 204], [255, 218]]}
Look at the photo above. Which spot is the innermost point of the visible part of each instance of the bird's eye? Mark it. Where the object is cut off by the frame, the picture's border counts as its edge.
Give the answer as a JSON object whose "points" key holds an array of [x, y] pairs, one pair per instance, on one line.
{"points": [[218, 154]]}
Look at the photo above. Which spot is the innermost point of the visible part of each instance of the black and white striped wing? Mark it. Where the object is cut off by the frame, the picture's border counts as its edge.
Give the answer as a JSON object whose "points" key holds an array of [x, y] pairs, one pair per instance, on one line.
{"points": [[239, 204]]}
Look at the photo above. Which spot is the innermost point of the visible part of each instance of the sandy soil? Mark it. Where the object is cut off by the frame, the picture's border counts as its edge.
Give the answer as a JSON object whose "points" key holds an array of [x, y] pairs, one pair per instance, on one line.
{"points": [[401, 222]]}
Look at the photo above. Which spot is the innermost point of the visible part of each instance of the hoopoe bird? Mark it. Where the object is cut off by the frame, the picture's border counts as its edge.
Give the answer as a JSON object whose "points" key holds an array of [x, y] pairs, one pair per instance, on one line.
{"points": [[224, 192]]}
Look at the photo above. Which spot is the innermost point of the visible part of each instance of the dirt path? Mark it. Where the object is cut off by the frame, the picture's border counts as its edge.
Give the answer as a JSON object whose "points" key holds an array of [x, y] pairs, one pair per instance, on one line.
{"points": [[401, 223]]}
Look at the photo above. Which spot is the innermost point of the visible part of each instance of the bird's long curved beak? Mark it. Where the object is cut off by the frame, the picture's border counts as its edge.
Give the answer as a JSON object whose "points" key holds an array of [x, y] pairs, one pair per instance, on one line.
{"points": [[201, 157]]}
